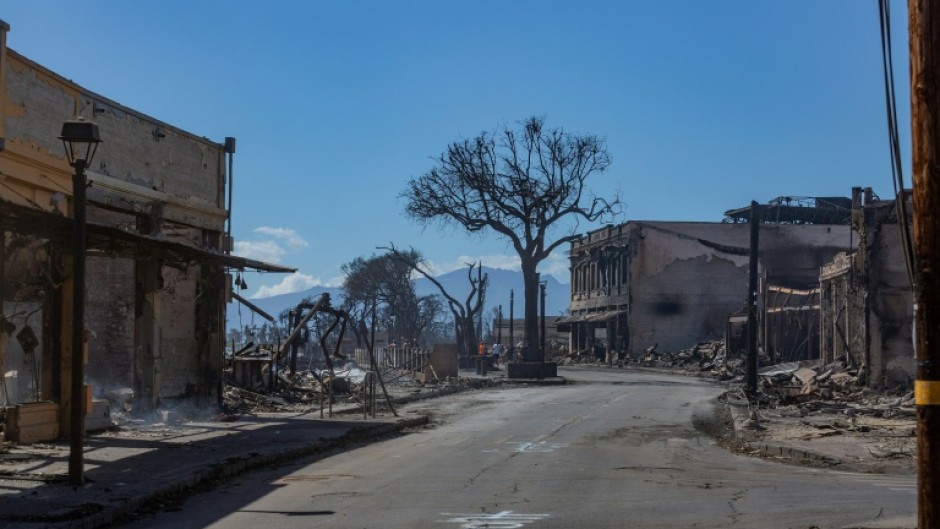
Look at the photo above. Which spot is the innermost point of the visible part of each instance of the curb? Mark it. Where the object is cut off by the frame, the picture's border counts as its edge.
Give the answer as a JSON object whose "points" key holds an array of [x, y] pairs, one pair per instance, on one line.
{"points": [[232, 467], [548, 381], [789, 452], [440, 392], [774, 450]]}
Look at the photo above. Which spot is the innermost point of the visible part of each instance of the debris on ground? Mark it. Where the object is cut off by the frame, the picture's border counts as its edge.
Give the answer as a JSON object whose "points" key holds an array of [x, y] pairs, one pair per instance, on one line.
{"points": [[826, 404], [347, 384]]}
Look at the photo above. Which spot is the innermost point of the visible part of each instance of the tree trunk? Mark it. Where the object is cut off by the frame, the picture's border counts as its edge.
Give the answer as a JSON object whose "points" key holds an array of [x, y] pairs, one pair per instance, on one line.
{"points": [[530, 279], [458, 332], [469, 335]]}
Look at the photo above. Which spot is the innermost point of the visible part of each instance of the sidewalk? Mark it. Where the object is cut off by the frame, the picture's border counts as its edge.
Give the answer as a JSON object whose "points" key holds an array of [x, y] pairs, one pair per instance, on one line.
{"points": [[130, 467], [828, 440], [127, 468], [869, 444]]}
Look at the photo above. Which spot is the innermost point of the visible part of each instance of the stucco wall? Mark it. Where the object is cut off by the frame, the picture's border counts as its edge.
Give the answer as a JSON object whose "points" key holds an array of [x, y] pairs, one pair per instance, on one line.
{"points": [[109, 314], [686, 278], [164, 162], [892, 312], [143, 165], [179, 361]]}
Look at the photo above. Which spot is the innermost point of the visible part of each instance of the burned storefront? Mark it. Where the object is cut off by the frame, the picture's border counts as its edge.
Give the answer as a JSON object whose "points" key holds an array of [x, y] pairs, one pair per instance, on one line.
{"points": [[658, 285], [155, 278], [867, 312]]}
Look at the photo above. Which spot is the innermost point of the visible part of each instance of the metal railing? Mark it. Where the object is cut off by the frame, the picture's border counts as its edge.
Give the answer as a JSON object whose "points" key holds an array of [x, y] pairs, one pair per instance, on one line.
{"points": [[407, 359]]}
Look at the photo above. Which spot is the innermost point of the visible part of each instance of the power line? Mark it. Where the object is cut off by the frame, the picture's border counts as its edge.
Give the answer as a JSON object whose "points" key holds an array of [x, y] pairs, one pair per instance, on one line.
{"points": [[897, 174]]}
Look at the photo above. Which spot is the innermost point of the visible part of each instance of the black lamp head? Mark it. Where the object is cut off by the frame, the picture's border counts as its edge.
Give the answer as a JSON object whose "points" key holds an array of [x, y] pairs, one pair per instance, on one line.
{"points": [[81, 139]]}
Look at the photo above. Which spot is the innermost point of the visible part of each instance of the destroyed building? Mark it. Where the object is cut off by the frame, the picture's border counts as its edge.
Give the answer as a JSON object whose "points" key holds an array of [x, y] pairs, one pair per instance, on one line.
{"points": [[156, 275], [867, 313], [668, 285]]}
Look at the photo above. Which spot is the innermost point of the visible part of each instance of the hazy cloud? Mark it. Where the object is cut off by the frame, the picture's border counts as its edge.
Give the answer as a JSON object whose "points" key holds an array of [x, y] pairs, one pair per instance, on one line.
{"points": [[295, 282], [268, 251], [285, 235], [504, 262], [556, 264], [335, 281], [271, 248]]}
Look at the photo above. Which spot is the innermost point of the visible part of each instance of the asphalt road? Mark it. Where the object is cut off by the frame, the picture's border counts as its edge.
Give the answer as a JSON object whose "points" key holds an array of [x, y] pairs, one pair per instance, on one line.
{"points": [[614, 449]]}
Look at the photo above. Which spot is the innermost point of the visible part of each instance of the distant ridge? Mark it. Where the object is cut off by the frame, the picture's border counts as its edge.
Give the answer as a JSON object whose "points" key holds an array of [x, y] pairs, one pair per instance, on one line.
{"points": [[557, 295]]}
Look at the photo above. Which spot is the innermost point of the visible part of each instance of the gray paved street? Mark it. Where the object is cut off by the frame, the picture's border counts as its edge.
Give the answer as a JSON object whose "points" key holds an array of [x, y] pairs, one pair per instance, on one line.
{"points": [[615, 449]]}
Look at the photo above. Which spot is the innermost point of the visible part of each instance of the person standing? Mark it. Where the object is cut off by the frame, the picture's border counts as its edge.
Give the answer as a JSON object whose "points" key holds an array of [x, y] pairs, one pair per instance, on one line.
{"points": [[497, 353]]}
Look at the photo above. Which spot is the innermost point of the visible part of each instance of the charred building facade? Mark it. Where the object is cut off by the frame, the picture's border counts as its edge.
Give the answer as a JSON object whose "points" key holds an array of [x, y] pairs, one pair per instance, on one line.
{"points": [[671, 285], [867, 305], [155, 282]]}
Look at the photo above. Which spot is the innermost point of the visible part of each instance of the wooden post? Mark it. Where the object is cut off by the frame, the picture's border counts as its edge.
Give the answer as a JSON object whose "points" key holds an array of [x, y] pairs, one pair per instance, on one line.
{"points": [[148, 308], [924, 20], [292, 318], [375, 368], [755, 221]]}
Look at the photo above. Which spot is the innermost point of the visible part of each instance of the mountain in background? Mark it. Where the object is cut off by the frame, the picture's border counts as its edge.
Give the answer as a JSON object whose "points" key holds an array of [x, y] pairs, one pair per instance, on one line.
{"points": [[557, 295]]}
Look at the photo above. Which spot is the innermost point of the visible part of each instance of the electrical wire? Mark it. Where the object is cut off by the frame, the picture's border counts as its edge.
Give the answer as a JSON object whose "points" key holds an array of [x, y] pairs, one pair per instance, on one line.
{"points": [[897, 174]]}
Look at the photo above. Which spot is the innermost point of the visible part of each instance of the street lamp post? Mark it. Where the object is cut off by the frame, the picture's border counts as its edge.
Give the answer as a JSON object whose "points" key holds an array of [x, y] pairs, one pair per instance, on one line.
{"points": [[542, 285], [81, 140]]}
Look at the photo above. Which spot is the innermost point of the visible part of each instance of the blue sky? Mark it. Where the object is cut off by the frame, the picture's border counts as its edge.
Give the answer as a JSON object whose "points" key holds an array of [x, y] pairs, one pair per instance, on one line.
{"points": [[705, 105]]}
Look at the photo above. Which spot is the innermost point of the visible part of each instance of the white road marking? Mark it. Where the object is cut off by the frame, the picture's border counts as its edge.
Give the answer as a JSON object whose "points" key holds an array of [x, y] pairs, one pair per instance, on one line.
{"points": [[538, 447], [897, 485], [500, 520]]}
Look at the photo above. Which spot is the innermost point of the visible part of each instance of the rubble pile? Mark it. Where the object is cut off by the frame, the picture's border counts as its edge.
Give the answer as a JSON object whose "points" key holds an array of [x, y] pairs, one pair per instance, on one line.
{"points": [[703, 356], [703, 359], [581, 356], [808, 384], [832, 387], [308, 390], [294, 392]]}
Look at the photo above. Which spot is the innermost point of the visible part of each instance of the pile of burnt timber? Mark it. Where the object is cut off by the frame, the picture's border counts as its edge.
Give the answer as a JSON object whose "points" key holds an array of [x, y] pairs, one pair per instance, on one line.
{"points": [[809, 385], [273, 382], [835, 386]]}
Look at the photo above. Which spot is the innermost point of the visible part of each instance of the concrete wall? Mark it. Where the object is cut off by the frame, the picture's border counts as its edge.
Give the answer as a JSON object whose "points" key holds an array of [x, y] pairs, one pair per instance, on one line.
{"points": [[892, 311], [179, 361], [153, 160], [145, 173], [109, 314], [684, 279], [867, 304]]}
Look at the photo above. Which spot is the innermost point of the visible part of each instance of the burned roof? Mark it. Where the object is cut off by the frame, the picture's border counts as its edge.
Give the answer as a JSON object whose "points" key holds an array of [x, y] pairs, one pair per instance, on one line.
{"points": [[798, 210]]}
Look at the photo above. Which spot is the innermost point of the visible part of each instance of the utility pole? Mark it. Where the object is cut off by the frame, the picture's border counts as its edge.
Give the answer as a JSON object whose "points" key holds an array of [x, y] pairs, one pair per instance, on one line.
{"points": [[924, 29], [755, 220], [542, 356], [482, 294], [293, 319], [512, 336], [499, 326]]}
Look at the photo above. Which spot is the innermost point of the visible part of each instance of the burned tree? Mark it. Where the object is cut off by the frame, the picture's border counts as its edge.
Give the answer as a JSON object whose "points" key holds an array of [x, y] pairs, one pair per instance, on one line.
{"points": [[465, 314], [521, 185], [387, 282]]}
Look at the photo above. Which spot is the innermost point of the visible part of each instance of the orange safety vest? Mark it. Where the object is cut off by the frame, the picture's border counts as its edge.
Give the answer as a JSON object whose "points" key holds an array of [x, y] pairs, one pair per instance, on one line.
{"points": [[482, 348]]}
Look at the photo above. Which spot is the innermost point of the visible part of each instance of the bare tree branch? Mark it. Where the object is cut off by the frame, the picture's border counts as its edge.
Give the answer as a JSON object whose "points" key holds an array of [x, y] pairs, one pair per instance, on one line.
{"points": [[519, 184]]}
